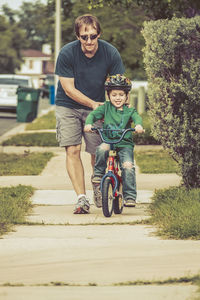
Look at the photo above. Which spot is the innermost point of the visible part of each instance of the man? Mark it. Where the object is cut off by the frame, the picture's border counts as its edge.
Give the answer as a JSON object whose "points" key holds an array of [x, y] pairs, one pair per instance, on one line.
{"points": [[82, 67]]}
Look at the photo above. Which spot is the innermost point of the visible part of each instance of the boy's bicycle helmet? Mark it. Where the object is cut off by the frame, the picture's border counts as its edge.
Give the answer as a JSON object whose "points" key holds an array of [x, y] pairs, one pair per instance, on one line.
{"points": [[118, 82]]}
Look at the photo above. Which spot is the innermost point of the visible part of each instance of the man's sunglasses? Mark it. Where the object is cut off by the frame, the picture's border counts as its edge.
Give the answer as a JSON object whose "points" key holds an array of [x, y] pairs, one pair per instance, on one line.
{"points": [[85, 37]]}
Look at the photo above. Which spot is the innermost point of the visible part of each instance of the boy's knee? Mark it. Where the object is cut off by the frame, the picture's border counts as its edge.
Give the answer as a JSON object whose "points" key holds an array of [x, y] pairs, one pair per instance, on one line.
{"points": [[128, 165], [104, 147]]}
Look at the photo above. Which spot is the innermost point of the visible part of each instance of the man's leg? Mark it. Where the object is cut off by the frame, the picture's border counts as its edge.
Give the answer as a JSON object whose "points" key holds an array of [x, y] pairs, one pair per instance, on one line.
{"points": [[69, 135], [76, 173], [75, 168]]}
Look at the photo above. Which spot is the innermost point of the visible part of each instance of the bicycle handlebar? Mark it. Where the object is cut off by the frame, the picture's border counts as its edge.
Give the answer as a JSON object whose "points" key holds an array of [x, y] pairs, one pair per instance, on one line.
{"points": [[101, 130]]}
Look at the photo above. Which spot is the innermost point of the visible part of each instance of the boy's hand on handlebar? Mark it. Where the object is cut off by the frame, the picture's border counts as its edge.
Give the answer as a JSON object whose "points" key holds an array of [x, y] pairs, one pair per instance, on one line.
{"points": [[139, 129], [88, 128]]}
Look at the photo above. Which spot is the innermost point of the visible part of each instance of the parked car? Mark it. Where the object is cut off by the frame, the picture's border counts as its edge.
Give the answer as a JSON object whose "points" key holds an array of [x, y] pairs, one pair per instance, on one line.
{"points": [[9, 84]]}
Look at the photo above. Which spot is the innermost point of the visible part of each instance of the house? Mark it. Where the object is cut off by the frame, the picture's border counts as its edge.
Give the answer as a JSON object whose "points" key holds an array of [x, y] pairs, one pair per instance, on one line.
{"points": [[37, 64]]}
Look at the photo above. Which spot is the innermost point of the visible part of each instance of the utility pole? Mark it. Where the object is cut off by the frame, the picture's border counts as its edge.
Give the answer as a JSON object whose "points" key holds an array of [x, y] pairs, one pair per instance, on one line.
{"points": [[57, 32]]}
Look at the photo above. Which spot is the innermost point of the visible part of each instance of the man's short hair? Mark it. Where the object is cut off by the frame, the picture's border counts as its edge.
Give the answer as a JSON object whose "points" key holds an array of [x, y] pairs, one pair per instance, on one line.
{"points": [[87, 20]]}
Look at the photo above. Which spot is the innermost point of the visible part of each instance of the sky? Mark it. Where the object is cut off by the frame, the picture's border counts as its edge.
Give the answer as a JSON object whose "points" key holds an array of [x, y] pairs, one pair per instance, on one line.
{"points": [[15, 4]]}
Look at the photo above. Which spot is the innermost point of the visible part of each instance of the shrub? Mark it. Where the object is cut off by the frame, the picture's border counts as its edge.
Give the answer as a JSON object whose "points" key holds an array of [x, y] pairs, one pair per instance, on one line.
{"points": [[171, 57]]}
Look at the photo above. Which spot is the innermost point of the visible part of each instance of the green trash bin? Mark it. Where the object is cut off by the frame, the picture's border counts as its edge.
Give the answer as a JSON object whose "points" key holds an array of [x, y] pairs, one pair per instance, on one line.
{"points": [[27, 104]]}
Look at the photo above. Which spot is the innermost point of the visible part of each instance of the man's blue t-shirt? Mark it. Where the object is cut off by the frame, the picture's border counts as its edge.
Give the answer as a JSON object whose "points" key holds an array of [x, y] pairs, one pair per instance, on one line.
{"points": [[89, 73]]}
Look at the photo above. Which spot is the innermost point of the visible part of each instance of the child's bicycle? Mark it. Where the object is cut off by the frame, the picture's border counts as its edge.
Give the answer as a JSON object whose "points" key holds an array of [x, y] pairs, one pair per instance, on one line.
{"points": [[111, 182]]}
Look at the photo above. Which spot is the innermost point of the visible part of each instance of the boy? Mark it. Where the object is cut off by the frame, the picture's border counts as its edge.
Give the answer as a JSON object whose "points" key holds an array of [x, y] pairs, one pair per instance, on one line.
{"points": [[116, 115]]}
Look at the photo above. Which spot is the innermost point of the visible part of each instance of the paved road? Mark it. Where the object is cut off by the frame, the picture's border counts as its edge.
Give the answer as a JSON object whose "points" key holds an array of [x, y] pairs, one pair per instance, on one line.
{"points": [[7, 122]]}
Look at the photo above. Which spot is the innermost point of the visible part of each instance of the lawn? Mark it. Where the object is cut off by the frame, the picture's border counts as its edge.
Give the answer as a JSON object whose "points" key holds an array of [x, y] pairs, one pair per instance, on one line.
{"points": [[23, 164], [15, 204], [155, 162], [40, 139], [176, 212], [47, 121]]}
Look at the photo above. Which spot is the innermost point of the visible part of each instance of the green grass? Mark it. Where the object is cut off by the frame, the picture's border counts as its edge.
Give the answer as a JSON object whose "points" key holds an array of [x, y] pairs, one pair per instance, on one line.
{"points": [[47, 121], [155, 162], [24, 164], [176, 212], [15, 204], [41, 139]]}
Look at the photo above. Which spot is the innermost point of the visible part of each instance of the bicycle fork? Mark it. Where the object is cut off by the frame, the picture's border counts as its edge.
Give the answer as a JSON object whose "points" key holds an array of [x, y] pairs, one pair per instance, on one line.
{"points": [[110, 172]]}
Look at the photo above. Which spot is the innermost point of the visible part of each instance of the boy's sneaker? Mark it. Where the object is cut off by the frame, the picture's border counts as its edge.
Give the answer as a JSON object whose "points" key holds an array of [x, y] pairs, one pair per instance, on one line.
{"points": [[130, 203], [82, 206], [97, 198]]}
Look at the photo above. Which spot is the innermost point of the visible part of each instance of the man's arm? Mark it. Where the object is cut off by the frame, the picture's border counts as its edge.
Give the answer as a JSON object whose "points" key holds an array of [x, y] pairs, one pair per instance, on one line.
{"points": [[93, 116], [70, 90]]}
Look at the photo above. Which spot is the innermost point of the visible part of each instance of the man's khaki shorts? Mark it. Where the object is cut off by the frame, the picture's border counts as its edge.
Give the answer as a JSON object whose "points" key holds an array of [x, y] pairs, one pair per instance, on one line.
{"points": [[69, 129]]}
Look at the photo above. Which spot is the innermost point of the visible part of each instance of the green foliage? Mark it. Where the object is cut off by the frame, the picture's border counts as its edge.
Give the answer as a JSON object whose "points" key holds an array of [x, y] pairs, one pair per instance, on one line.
{"points": [[155, 9], [171, 57], [38, 22], [155, 162], [41, 139], [166, 9], [176, 211], [11, 41], [47, 121], [14, 205], [24, 164]]}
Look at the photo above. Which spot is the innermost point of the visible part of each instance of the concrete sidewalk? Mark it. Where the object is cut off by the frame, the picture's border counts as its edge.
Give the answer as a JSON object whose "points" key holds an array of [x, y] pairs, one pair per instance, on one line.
{"points": [[60, 255]]}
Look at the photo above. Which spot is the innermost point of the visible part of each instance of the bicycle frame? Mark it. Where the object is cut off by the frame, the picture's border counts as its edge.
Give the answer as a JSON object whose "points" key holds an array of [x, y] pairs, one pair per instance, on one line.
{"points": [[112, 172], [112, 164]]}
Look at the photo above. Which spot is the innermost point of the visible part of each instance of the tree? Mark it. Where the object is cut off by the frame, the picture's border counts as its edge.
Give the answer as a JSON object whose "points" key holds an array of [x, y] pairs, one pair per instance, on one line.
{"points": [[156, 9], [38, 22], [11, 41]]}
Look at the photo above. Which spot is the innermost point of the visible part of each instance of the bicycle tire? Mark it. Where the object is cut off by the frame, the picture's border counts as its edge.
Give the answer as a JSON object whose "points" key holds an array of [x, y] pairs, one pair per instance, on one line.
{"points": [[118, 203], [107, 197]]}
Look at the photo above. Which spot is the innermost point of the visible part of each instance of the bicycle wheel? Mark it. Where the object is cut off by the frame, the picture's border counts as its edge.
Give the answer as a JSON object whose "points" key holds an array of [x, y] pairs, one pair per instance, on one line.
{"points": [[118, 202], [107, 197]]}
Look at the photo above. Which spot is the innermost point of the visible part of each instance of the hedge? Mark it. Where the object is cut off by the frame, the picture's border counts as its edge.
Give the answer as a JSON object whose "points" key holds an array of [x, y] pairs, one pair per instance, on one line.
{"points": [[172, 62]]}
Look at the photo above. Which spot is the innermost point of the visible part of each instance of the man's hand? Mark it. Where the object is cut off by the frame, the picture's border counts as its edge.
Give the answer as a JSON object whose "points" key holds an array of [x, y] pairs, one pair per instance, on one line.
{"points": [[88, 128], [96, 104], [139, 129]]}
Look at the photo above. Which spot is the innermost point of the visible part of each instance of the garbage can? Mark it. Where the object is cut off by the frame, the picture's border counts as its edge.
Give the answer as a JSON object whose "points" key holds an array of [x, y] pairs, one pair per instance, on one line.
{"points": [[52, 94], [27, 104]]}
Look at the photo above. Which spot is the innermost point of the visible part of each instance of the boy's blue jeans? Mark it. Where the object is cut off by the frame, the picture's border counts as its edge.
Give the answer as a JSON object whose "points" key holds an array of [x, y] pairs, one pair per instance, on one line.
{"points": [[127, 167]]}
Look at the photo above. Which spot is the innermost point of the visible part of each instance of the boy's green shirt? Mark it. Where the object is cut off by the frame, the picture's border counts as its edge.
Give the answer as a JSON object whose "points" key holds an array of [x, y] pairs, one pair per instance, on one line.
{"points": [[116, 119]]}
